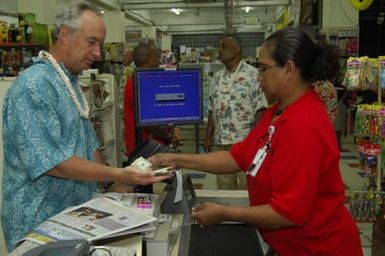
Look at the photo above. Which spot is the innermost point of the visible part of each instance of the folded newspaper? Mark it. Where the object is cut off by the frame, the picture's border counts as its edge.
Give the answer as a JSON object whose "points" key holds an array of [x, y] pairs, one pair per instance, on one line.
{"points": [[105, 216]]}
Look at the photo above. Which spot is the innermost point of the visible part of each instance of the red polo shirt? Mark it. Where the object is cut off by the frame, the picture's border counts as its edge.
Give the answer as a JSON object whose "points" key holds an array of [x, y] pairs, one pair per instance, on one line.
{"points": [[129, 117], [300, 179]]}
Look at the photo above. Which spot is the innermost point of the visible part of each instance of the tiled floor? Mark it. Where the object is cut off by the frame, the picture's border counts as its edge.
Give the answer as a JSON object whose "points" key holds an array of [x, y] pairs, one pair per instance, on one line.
{"points": [[354, 181], [350, 173]]}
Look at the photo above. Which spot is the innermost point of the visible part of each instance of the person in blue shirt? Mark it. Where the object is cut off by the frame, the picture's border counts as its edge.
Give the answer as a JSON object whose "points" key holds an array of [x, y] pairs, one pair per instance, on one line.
{"points": [[51, 157]]}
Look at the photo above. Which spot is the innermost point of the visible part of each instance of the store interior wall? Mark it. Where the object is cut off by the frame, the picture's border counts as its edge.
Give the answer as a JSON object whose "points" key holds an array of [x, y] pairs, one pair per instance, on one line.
{"points": [[149, 32], [166, 41], [339, 14], [8, 5], [115, 26]]}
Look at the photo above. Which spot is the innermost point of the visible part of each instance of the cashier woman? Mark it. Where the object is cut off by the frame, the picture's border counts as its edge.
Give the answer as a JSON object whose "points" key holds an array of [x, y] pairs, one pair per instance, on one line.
{"points": [[290, 159]]}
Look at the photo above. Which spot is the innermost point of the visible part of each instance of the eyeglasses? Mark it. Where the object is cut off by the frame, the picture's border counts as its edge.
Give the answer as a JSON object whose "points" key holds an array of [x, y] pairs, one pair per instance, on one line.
{"points": [[262, 67]]}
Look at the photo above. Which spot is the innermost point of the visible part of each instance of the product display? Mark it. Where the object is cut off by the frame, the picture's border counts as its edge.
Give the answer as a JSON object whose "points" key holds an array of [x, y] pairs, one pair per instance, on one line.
{"points": [[368, 152], [370, 120], [98, 126], [361, 73], [366, 205], [381, 64], [100, 91]]}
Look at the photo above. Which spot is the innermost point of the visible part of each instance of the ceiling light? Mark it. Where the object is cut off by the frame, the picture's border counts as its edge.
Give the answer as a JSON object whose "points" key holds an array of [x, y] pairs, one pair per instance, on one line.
{"points": [[176, 11], [247, 9]]}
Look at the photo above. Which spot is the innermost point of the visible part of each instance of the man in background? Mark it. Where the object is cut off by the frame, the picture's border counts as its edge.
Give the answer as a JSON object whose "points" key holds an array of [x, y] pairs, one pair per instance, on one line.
{"points": [[235, 104], [145, 55]]}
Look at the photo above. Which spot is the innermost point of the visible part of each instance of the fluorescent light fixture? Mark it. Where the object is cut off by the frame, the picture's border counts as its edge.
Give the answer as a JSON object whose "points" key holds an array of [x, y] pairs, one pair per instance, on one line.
{"points": [[247, 9], [176, 11]]}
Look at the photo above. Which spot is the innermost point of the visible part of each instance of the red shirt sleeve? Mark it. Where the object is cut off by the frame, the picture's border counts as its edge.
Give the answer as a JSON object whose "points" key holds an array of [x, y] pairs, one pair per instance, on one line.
{"points": [[129, 116]]}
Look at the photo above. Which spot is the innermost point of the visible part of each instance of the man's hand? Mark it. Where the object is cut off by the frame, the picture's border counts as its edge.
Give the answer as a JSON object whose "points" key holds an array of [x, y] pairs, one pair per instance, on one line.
{"points": [[207, 145], [136, 176]]}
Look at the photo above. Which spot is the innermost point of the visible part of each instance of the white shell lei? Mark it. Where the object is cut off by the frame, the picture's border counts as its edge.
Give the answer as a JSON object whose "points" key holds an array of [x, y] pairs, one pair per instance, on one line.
{"points": [[83, 111]]}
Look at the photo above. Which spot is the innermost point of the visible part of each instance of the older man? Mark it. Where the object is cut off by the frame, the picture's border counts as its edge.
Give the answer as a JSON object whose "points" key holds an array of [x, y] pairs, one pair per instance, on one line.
{"points": [[235, 104], [50, 149]]}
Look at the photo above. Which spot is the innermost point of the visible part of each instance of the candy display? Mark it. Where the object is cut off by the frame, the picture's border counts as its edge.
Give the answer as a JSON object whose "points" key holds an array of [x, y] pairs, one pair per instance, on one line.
{"points": [[381, 64], [370, 120], [361, 73], [366, 205], [369, 152], [352, 76]]}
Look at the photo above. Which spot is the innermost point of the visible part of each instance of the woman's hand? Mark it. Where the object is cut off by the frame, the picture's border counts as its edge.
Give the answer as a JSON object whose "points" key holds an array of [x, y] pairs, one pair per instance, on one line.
{"points": [[161, 160], [208, 214]]}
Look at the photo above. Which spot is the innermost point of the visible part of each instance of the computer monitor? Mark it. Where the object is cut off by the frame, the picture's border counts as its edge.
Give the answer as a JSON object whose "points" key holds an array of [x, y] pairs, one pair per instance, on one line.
{"points": [[168, 96]]}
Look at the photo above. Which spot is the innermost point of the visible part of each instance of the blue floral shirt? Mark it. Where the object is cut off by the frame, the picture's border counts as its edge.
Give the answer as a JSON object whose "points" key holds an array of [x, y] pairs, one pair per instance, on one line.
{"points": [[234, 98], [41, 129]]}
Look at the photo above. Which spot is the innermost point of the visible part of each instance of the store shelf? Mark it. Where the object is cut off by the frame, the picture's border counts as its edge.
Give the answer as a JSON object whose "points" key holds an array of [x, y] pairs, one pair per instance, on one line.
{"points": [[20, 44], [17, 56]]}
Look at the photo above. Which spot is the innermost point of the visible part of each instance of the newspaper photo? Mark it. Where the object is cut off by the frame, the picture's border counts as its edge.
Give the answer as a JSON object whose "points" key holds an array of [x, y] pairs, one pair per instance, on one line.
{"points": [[145, 203], [96, 219]]}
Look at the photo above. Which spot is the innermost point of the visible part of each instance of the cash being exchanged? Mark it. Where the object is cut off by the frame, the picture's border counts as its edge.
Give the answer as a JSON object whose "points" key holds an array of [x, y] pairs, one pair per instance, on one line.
{"points": [[143, 164]]}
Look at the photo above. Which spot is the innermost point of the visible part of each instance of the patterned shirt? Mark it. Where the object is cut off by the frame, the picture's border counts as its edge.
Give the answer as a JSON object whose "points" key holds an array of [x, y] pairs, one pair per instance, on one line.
{"points": [[234, 98], [328, 95], [41, 129]]}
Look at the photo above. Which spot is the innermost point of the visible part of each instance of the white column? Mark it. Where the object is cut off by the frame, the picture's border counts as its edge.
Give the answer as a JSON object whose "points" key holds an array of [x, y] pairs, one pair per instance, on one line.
{"points": [[166, 41]]}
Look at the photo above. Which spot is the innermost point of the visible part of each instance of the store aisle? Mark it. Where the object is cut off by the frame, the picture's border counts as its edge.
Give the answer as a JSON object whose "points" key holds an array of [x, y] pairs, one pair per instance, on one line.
{"points": [[355, 181]]}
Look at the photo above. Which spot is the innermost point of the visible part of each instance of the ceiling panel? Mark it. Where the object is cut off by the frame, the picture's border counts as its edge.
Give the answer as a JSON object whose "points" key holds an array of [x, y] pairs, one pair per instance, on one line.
{"points": [[204, 15]]}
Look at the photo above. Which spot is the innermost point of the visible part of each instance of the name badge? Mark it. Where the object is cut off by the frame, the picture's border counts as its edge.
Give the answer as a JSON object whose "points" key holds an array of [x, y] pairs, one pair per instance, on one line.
{"points": [[258, 160], [260, 155]]}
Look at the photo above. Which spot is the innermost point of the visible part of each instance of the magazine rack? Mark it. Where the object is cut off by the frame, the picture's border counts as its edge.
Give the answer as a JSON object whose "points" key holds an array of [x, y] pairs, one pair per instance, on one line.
{"points": [[101, 93]]}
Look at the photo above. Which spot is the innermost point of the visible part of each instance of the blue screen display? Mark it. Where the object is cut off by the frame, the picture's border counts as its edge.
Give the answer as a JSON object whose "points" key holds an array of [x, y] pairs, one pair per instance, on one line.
{"points": [[168, 96]]}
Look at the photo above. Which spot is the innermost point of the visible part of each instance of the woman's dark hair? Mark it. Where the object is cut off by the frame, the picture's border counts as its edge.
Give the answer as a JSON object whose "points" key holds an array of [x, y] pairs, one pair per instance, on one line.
{"points": [[316, 61]]}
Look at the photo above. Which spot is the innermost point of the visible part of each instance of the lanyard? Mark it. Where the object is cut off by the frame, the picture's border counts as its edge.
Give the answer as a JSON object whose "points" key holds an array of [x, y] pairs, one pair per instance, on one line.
{"points": [[261, 154]]}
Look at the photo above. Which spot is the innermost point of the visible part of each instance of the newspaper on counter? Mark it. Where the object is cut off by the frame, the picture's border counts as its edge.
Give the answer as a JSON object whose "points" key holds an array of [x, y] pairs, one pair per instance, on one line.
{"points": [[99, 218], [145, 203]]}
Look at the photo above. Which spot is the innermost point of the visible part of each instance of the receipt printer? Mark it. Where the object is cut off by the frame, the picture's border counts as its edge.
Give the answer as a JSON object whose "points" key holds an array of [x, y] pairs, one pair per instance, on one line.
{"points": [[79, 247]]}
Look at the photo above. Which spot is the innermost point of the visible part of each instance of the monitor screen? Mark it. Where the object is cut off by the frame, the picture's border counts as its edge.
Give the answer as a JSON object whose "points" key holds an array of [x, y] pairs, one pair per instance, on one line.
{"points": [[168, 97]]}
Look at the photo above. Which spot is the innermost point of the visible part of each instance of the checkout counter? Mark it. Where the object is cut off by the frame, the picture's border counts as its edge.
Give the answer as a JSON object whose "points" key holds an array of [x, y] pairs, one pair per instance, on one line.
{"points": [[179, 235], [224, 239]]}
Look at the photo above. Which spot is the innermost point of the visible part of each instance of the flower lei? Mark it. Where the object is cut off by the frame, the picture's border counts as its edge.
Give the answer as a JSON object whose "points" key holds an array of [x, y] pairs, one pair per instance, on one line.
{"points": [[83, 111]]}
